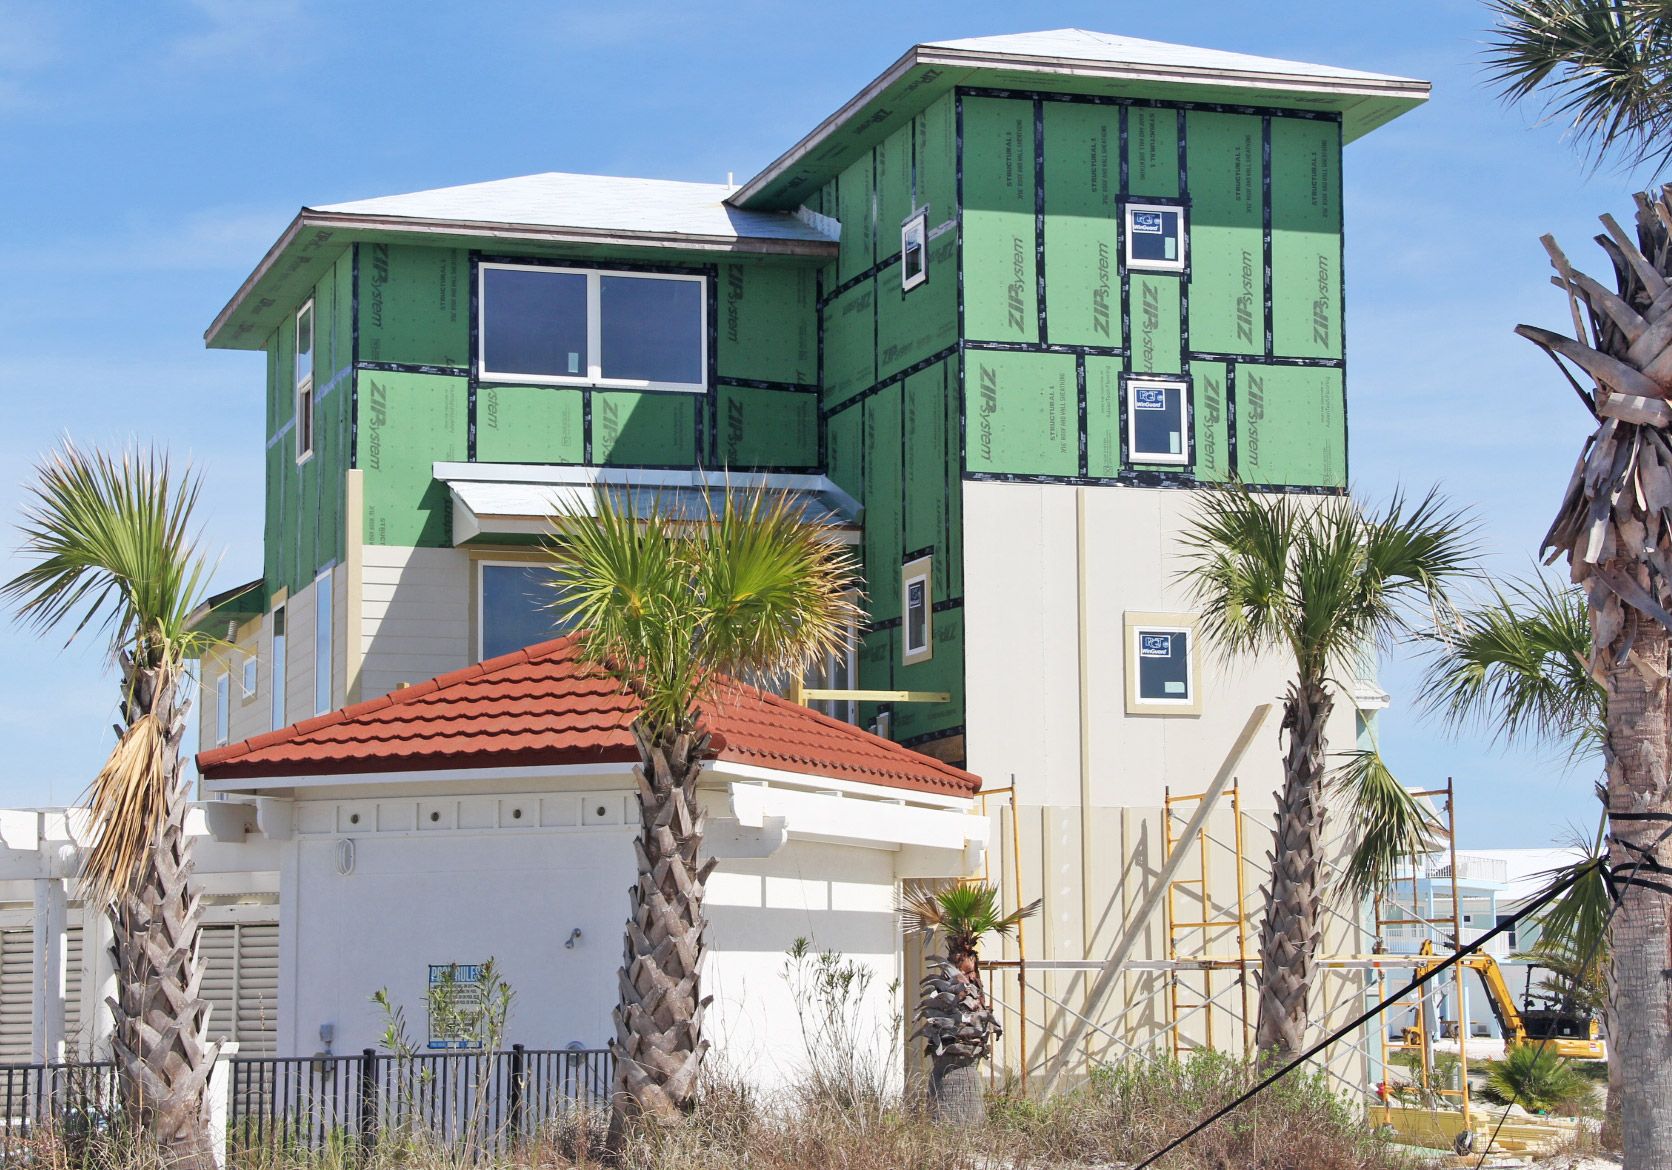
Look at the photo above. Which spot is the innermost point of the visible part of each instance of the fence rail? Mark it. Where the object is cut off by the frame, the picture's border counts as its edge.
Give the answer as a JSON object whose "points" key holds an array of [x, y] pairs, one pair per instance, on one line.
{"points": [[470, 1101]]}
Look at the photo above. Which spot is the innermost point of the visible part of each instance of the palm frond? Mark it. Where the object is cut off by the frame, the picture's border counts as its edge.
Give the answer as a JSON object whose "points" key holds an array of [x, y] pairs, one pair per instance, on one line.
{"points": [[1392, 826], [1599, 65], [1576, 922], [965, 910], [128, 801], [664, 606], [1518, 665]]}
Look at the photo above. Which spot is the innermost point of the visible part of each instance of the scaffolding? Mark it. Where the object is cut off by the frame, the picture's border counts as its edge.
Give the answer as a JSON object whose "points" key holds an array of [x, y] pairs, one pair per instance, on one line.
{"points": [[1202, 924]]}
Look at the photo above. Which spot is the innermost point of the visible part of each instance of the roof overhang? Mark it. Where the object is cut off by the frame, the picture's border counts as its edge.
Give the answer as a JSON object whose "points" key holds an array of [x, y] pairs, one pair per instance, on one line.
{"points": [[314, 239], [499, 502], [232, 606], [925, 72]]}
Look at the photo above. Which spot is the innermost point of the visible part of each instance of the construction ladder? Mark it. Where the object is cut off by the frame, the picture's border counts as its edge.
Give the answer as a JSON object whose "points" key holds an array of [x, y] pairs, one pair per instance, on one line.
{"points": [[1202, 923]]}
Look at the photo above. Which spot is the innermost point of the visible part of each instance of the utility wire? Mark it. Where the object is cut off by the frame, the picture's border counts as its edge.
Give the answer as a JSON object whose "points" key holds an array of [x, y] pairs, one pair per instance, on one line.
{"points": [[1452, 960]]}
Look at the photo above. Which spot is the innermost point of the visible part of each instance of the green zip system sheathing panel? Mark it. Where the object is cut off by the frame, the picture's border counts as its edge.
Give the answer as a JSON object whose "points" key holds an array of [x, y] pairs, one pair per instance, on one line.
{"points": [[414, 305], [1023, 413], [858, 213], [1210, 420], [1104, 443], [944, 671], [768, 327], [1082, 246], [1306, 238], [304, 501], [914, 326], [1000, 281], [530, 424], [1152, 152], [644, 429], [936, 131], [1156, 318], [1291, 425], [407, 423], [850, 343], [767, 428], [884, 493], [1227, 280]]}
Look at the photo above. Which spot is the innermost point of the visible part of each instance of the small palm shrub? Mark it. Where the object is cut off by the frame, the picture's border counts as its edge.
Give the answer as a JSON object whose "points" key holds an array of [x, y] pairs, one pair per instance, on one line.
{"points": [[1534, 1078]]}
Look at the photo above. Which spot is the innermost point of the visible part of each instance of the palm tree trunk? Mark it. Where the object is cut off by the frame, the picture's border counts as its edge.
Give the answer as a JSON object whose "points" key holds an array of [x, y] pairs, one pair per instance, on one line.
{"points": [[1640, 812], [160, 1042], [1294, 897], [658, 1045]]}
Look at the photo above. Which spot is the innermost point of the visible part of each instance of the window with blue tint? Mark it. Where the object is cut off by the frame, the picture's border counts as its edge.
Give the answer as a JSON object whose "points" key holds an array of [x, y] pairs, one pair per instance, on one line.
{"points": [[1155, 237], [323, 659], [534, 323], [515, 608], [1156, 421], [1163, 665], [651, 329], [276, 681]]}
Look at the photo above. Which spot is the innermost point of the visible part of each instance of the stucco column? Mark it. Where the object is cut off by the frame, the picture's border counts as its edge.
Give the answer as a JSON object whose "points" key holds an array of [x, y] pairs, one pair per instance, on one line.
{"points": [[46, 1000], [98, 984]]}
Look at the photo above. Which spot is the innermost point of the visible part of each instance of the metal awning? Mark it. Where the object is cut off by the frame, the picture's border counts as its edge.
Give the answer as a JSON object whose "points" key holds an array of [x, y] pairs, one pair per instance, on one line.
{"points": [[497, 501]]}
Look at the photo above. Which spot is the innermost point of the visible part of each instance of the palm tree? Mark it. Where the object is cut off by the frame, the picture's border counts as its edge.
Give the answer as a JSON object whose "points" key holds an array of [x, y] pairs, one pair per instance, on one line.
{"points": [[1520, 665], [956, 1019], [1603, 65], [1612, 526], [1318, 581], [111, 549], [672, 611]]}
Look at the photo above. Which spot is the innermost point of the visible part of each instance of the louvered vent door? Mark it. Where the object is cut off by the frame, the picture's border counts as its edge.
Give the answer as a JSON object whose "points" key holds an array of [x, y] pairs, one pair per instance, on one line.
{"points": [[241, 983], [17, 973], [74, 1041]]}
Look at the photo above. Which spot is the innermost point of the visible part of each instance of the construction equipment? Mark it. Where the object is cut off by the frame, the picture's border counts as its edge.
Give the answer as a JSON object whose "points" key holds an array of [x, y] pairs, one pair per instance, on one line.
{"points": [[1561, 1026]]}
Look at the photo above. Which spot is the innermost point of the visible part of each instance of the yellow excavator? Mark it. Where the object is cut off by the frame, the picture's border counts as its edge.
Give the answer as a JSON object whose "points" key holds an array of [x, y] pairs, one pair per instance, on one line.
{"points": [[1561, 1026]]}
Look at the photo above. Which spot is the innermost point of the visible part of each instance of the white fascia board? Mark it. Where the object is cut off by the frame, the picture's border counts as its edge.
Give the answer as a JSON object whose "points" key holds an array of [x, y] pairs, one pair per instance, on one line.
{"points": [[611, 773], [829, 816], [875, 792], [588, 476]]}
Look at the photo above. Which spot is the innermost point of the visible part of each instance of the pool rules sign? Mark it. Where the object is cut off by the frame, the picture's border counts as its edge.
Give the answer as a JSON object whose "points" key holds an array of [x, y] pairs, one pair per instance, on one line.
{"points": [[454, 997]]}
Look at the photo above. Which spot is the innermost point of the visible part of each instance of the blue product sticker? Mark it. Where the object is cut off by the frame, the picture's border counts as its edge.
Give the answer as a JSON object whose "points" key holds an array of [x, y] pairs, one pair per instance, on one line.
{"points": [[1147, 222], [1155, 645], [1149, 398]]}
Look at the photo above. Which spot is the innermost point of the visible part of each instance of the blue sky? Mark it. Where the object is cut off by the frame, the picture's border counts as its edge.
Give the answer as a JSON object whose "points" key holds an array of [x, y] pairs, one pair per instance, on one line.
{"points": [[152, 153]]}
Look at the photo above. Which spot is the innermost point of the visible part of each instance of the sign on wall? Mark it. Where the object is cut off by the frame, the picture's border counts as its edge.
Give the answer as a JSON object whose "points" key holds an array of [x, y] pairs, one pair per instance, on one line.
{"points": [[455, 1001]]}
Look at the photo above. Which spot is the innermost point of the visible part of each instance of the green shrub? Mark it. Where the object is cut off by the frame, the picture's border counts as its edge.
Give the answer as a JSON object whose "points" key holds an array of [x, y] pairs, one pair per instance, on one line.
{"points": [[1534, 1078]]}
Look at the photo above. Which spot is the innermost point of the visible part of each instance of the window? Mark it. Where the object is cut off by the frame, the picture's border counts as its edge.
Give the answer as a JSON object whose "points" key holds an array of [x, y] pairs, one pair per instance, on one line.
{"points": [[275, 683], [304, 381], [837, 672], [322, 643], [914, 250], [514, 607], [1510, 918], [1161, 668], [1157, 421], [917, 611], [251, 670], [1155, 237], [223, 706], [582, 327]]}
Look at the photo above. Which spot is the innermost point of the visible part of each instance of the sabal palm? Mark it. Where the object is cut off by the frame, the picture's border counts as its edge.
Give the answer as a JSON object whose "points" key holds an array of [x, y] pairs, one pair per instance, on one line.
{"points": [[1603, 66], [671, 610], [1320, 582], [954, 1015], [111, 550]]}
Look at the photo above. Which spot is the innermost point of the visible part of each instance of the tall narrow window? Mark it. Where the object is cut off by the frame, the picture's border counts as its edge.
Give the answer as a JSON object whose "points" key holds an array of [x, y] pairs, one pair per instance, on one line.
{"points": [[223, 706], [917, 611], [304, 382], [276, 678], [1157, 418], [914, 249], [251, 669], [322, 643]]}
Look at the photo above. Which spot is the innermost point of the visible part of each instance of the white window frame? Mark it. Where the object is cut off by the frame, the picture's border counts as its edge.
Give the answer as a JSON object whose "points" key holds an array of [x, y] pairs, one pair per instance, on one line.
{"points": [[1178, 263], [1133, 455], [251, 680], [304, 383], [594, 375], [278, 643], [921, 569], [1163, 623], [918, 222], [223, 706], [324, 665]]}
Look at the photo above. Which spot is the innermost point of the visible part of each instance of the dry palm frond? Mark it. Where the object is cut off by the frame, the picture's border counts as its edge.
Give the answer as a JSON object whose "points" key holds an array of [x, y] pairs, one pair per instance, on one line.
{"points": [[128, 803]]}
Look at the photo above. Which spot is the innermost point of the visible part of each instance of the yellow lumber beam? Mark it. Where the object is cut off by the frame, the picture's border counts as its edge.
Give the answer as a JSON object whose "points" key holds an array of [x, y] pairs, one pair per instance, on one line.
{"points": [[812, 694]]}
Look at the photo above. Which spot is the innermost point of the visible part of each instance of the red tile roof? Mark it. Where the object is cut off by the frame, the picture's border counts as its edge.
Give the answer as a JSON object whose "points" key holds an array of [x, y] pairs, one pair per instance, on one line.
{"points": [[541, 706]]}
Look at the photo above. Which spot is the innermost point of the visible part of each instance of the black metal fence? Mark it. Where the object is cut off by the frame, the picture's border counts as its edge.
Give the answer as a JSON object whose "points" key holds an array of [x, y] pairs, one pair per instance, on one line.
{"points": [[471, 1101]]}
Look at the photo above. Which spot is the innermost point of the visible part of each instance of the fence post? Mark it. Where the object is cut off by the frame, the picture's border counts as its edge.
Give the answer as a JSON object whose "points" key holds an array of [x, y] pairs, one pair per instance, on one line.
{"points": [[220, 1113], [516, 1091], [368, 1099]]}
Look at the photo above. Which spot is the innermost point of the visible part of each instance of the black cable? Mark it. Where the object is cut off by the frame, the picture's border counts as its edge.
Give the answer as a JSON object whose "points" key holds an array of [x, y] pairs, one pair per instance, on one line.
{"points": [[1502, 928]]}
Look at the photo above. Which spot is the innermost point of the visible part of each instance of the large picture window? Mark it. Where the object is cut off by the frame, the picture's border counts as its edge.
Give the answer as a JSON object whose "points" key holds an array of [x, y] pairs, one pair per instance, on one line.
{"points": [[514, 607], [573, 326], [1157, 421]]}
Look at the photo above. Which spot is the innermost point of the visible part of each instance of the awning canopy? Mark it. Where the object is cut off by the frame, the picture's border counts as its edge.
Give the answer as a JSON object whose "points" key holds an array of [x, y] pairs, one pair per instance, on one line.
{"points": [[513, 501]]}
